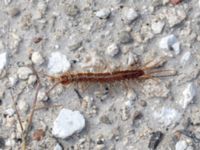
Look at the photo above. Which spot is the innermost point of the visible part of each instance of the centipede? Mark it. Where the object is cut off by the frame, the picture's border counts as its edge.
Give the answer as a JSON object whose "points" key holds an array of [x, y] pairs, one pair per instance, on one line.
{"points": [[107, 77]]}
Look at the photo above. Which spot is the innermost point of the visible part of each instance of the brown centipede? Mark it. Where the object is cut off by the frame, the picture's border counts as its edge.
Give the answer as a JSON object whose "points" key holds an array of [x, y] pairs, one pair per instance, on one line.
{"points": [[107, 77]]}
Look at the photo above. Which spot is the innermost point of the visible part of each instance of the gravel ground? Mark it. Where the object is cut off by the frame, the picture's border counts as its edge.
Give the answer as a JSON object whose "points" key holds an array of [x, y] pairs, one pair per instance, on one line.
{"points": [[46, 38]]}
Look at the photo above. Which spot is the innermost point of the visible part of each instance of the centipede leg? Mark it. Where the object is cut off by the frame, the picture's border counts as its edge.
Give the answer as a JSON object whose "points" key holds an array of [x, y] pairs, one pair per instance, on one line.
{"points": [[147, 76], [83, 88], [48, 91]]}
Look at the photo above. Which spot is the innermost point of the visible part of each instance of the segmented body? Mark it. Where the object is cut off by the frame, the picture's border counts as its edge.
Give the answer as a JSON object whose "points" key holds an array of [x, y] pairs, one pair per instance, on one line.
{"points": [[106, 77]]}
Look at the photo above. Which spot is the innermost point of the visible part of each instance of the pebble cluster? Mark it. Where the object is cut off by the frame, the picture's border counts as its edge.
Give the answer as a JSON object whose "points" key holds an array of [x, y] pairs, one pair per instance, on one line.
{"points": [[87, 36]]}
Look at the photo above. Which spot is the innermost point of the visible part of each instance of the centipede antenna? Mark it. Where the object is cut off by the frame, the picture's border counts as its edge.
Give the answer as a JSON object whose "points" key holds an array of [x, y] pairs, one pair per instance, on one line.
{"points": [[170, 73]]}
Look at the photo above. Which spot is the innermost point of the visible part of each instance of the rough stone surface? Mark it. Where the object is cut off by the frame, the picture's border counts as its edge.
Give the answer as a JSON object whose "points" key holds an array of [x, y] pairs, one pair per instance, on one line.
{"points": [[54, 38]]}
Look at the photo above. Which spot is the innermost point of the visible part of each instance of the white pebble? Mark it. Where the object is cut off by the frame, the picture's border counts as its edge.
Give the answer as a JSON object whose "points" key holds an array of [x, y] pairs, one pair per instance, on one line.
{"points": [[131, 95], [58, 147], [176, 48], [42, 96], [9, 111], [169, 42], [10, 142], [167, 116], [13, 80], [32, 79], [188, 95], [103, 13], [186, 58], [128, 103], [24, 72], [112, 50], [175, 16], [37, 58], [157, 26], [3, 60], [199, 3], [181, 145], [58, 63], [130, 14], [67, 123], [23, 106], [1, 45], [7, 2]]}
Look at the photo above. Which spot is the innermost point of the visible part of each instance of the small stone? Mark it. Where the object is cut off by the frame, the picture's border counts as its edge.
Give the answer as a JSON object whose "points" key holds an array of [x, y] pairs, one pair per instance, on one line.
{"points": [[174, 2], [7, 2], [131, 95], [42, 96], [72, 10], [125, 113], [10, 142], [13, 12], [10, 112], [167, 116], [170, 42], [103, 13], [105, 119], [58, 63], [181, 145], [3, 60], [74, 44], [58, 147], [1, 45], [199, 3], [32, 79], [13, 80], [157, 26], [38, 134], [112, 50], [130, 14], [185, 59], [175, 16], [24, 72], [2, 93], [37, 40], [128, 103], [67, 123], [137, 115], [125, 37], [155, 140], [100, 147], [23, 106], [143, 103], [37, 58], [188, 95]]}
